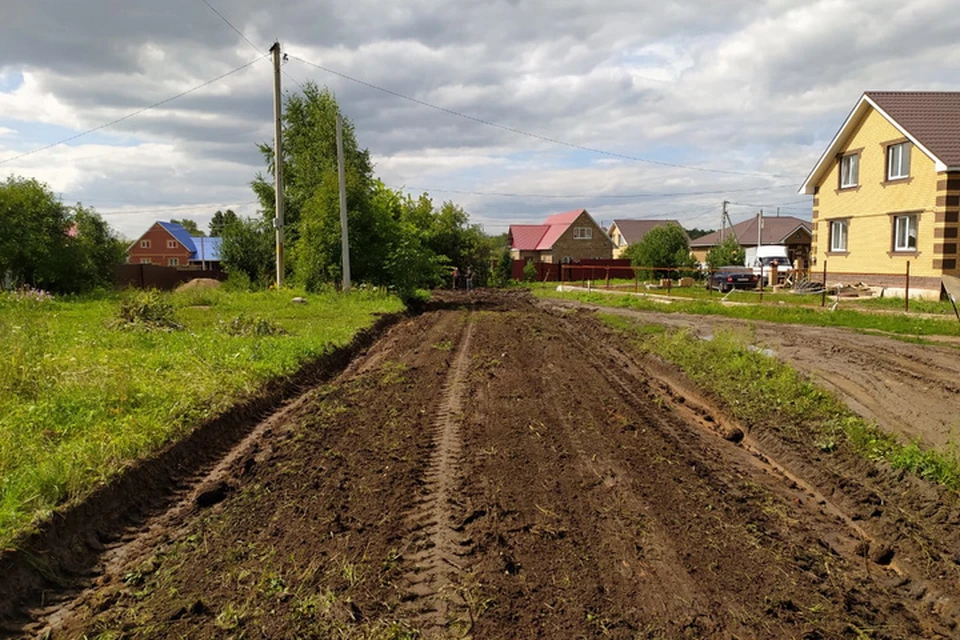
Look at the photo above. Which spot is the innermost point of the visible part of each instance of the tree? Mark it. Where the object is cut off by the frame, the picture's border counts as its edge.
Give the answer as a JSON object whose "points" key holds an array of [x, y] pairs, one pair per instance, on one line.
{"points": [[220, 220], [47, 245], [190, 226], [665, 246], [726, 253], [248, 249], [504, 269]]}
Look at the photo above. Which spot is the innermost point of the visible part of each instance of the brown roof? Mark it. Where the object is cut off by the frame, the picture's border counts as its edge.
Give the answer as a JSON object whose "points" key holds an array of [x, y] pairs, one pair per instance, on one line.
{"points": [[634, 230], [932, 117], [775, 230]]}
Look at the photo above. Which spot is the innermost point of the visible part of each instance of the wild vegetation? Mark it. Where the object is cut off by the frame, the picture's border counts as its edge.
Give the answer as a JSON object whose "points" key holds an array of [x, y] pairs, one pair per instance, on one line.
{"points": [[89, 385]]}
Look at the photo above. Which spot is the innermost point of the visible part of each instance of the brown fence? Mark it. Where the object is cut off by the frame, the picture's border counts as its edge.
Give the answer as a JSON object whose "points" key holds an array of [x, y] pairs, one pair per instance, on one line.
{"points": [[584, 269], [154, 276]]}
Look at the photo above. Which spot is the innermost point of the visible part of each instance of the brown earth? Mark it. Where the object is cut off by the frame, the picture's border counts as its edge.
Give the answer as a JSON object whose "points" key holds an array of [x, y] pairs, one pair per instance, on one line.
{"points": [[908, 389], [500, 470]]}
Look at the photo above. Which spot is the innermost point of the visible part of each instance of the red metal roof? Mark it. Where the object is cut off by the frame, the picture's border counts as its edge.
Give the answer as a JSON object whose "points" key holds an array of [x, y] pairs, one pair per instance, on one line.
{"points": [[566, 218], [540, 237], [526, 237]]}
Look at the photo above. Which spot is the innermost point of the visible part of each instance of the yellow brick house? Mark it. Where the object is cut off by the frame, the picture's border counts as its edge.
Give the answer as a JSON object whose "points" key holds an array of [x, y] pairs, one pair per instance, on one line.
{"points": [[887, 192]]}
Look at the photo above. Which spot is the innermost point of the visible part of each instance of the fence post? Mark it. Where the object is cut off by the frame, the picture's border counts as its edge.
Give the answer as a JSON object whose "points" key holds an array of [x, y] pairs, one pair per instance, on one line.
{"points": [[636, 282], [823, 296], [761, 281], [669, 281], [608, 277], [906, 291], [710, 282]]}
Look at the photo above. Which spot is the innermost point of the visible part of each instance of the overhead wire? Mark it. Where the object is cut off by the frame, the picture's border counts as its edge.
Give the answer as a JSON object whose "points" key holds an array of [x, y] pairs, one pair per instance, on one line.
{"points": [[536, 136], [132, 114], [588, 196]]}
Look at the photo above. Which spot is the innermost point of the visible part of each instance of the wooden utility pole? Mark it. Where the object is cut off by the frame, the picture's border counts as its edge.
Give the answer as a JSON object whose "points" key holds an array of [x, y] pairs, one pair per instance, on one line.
{"points": [[345, 249], [760, 228], [278, 160], [723, 221]]}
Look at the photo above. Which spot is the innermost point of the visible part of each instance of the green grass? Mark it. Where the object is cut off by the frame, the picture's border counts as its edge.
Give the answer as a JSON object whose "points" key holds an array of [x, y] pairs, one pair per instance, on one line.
{"points": [[896, 323], [763, 392], [80, 400]]}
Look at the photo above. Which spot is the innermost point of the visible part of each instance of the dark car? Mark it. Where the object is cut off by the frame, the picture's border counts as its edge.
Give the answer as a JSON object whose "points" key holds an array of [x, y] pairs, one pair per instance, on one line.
{"points": [[733, 277]]}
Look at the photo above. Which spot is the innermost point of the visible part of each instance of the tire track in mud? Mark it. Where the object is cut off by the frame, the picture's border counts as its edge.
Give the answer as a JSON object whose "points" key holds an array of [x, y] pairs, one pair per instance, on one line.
{"points": [[435, 544]]}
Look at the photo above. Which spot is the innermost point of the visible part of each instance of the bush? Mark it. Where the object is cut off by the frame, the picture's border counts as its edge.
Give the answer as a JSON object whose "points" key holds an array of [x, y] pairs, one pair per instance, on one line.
{"points": [[530, 272], [728, 252], [256, 326], [148, 310]]}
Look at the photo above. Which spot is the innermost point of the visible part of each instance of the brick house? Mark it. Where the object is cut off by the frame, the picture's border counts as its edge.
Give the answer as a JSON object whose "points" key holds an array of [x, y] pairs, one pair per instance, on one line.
{"points": [[562, 238], [886, 191], [170, 245]]}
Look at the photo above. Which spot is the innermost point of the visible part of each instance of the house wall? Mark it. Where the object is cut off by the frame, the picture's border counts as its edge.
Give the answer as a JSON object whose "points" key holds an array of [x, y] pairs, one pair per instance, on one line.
{"points": [[620, 245], [869, 208], [566, 246], [157, 253]]}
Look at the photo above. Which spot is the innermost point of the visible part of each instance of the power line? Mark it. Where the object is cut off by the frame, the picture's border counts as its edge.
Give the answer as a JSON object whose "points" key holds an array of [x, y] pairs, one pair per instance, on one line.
{"points": [[132, 114], [184, 208], [776, 204], [581, 196], [248, 40], [528, 134]]}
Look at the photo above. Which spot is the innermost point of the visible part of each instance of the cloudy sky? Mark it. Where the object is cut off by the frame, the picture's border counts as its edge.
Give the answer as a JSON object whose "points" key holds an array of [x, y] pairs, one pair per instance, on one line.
{"points": [[695, 101]]}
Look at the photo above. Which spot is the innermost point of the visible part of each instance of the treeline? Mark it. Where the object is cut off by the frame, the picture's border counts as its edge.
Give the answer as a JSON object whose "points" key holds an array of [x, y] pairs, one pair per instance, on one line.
{"points": [[396, 240], [49, 245]]}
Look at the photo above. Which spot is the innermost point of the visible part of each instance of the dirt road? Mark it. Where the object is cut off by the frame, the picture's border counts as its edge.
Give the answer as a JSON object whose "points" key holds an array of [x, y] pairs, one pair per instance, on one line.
{"points": [[501, 470], [908, 389]]}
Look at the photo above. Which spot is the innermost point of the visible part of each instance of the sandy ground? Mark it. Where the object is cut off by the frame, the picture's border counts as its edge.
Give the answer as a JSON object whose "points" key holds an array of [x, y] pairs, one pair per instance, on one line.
{"points": [[501, 469]]}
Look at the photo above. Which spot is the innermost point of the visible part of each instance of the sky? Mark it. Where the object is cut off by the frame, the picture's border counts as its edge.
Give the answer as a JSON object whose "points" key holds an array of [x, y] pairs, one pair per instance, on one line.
{"points": [[631, 108]]}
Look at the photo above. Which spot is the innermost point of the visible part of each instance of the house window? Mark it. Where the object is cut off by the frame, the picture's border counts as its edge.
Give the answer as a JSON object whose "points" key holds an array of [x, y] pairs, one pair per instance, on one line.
{"points": [[898, 161], [144, 244], [838, 235], [905, 233], [171, 244], [173, 262], [850, 171], [582, 233], [145, 261]]}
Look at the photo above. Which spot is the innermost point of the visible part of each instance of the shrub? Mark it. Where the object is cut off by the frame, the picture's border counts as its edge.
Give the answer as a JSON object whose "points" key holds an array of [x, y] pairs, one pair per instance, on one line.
{"points": [[530, 272], [149, 310], [255, 326]]}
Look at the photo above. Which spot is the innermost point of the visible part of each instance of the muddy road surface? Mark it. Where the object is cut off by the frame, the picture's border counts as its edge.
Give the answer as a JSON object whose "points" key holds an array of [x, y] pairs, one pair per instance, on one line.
{"points": [[909, 389], [497, 469]]}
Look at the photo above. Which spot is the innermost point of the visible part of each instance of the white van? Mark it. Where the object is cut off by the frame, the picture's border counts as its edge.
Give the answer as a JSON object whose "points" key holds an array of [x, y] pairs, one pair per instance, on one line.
{"points": [[764, 256]]}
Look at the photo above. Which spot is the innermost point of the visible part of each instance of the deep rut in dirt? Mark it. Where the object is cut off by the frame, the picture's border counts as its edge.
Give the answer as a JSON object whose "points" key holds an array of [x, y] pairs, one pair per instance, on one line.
{"points": [[435, 548]]}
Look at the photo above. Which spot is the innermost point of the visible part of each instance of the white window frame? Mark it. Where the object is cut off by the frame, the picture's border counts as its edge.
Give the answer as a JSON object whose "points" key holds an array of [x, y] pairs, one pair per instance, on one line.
{"points": [[582, 233], [898, 161], [173, 262], [850, 164], [171, 244], [839, 236], [144, 244], [901, 227], [146, 261]]}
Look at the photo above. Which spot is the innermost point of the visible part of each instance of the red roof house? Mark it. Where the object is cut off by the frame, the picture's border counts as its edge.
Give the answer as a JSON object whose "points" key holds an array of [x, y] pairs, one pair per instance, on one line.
{"points": [[563, 237]]}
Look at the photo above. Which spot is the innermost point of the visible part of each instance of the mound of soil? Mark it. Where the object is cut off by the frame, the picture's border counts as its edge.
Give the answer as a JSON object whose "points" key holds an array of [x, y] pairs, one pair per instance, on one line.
{"points": [[201, 284]]}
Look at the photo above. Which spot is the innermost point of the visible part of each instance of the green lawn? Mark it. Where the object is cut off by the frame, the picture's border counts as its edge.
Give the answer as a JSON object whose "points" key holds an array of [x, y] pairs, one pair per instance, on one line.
{"points": [[772, 311], [80, 400]]}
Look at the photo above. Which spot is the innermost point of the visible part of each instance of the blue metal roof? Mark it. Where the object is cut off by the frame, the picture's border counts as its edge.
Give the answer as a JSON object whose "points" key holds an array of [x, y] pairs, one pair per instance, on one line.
{"points": [[182, 236], [208, 249]]}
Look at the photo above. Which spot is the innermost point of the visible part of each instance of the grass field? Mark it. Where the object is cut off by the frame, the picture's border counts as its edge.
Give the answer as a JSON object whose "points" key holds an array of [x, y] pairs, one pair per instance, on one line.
{"points": [[79, 399], [895, 323]]}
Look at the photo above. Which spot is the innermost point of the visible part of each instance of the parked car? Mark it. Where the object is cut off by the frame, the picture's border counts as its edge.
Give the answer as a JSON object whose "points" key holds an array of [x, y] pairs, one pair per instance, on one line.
{"points": [[733, 277]]}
